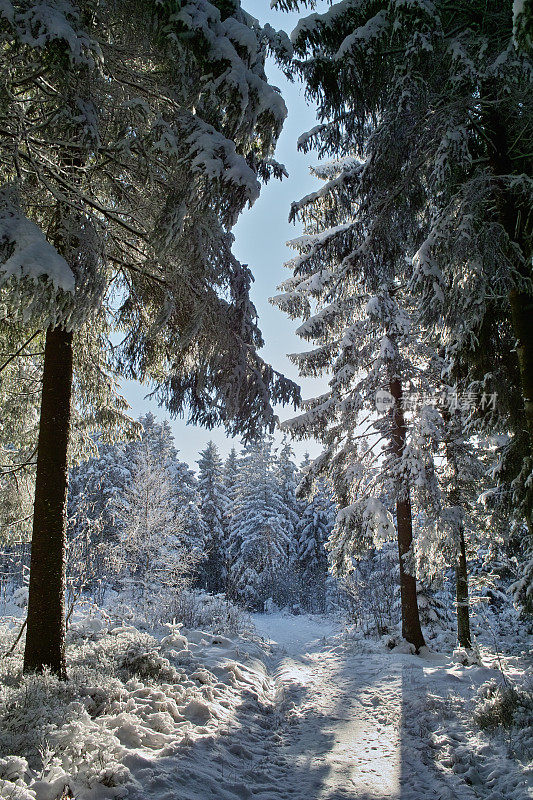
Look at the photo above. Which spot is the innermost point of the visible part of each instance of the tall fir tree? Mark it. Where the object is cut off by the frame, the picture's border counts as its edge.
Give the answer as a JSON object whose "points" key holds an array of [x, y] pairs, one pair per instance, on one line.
{"points": [[429, 107], [115, 147], [350, 304], [286, 476], [214, 505], [317, 518], [258, 541]]}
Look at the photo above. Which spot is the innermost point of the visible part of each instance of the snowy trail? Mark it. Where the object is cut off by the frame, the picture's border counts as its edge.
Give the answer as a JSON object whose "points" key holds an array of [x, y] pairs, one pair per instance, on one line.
{"points": [[323, 722], [345, 735]]}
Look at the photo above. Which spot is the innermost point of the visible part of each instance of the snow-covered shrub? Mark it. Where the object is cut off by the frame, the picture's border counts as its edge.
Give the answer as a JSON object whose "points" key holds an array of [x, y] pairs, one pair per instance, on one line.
{"points": [[147, 664], [212, 612], [31, 710], [106, 653], [467, 656], [89, 751], [15, 791], [13, 768], [503, 706], [13, 771]]}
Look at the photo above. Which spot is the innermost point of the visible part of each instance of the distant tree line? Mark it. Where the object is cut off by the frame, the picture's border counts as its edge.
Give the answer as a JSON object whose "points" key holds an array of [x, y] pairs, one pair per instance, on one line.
{"points": [[141, 522]]}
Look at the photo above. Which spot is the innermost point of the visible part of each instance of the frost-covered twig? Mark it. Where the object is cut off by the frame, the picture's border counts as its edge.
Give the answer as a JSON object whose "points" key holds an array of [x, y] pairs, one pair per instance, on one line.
{"points": [[17, 640]]}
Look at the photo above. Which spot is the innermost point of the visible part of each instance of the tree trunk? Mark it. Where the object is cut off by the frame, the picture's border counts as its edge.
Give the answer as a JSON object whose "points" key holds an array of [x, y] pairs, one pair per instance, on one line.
{"points": [[461, 573], [411, 629], [45, 637], [461, 579]]}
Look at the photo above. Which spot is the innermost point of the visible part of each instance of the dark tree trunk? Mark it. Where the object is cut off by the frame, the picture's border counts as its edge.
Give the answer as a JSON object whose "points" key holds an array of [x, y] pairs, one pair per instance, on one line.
{"points": [[45, 636], [461, 572], [411, 628], [461, 580]]}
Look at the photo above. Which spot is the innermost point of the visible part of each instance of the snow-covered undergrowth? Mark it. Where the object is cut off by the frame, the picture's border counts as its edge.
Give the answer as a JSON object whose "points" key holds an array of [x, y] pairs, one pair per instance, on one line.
{"points": [[131, 697]]}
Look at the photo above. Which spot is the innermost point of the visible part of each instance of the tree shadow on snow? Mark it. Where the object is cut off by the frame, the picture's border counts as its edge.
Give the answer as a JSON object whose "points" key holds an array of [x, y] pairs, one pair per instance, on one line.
{"points": [[343, 744]]}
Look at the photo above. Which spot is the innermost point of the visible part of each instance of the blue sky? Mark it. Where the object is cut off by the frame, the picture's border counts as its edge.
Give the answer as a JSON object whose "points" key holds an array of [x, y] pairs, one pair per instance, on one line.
{"points": [[260, 237]]}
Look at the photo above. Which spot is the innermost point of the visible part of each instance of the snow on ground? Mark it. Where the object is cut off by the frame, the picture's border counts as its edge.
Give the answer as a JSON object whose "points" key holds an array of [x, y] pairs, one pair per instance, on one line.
{"points": [[295, 634], [377, 724], [309, 714]]}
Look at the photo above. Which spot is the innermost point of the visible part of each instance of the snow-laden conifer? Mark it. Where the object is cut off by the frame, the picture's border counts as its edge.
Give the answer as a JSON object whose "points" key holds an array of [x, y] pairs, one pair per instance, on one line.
{"points": [[429, 107], [258, 540], [358, 317], [287, 480], [133, 134], [316, 521], [214, 505]]}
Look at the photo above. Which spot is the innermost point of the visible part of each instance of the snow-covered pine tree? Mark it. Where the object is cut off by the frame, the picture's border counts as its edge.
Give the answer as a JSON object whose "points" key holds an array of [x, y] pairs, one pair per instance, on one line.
{"points": [[159, 439], [363, 337], [230, 481], [230, 475], [96, 488], [192, 532], [258, 542], [118, 146], [214, 504], [437, 100], [286, 476], [317, 518]]}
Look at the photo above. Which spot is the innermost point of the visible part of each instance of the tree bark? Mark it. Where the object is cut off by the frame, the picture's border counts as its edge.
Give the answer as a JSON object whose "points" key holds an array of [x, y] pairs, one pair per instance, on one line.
{"points": [[461, 580], [411, 628], [461, 572], [45, 636]]}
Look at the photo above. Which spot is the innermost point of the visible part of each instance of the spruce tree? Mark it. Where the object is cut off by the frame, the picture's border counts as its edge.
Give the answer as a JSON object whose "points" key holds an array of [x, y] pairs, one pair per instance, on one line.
{"points": [[317, 518], [116, 147], [436, 99], [429, 104], [230, 476], [96, 488], [258, 541], [350, 301], [286, 476], [214, 504]]}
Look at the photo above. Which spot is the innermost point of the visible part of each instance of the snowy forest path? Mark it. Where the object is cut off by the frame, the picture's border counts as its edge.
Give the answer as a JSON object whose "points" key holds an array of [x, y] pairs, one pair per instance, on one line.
{"points": [[349, 726], [309, 716]]}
